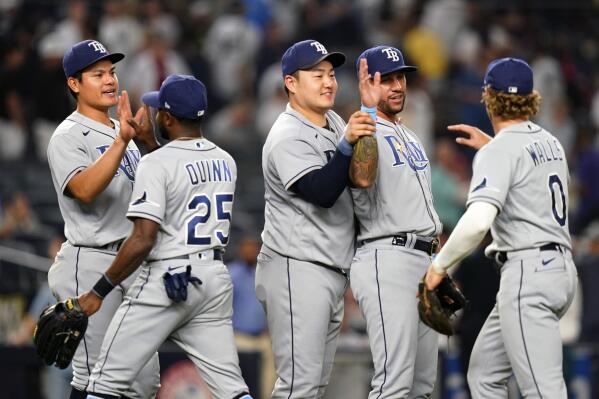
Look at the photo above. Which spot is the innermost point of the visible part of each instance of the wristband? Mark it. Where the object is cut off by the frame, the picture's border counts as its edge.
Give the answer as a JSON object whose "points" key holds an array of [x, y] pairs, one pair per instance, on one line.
{"points": [[345, 147], [103, 287], [371, 111]]}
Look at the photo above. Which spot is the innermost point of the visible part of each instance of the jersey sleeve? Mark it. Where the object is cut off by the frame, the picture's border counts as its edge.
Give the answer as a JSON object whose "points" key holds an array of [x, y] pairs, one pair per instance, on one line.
{"points": [[491, 177], [293, 158], [67, 155], [148, 199]]}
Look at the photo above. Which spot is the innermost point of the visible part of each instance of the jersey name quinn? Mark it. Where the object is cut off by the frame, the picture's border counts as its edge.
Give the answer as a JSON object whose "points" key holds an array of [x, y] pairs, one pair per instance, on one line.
{"points": [[211, 170]]}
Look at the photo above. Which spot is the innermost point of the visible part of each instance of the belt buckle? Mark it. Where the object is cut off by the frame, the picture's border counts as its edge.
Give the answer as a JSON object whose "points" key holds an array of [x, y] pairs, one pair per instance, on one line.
{"points": [[434, 246], [399, 240]]}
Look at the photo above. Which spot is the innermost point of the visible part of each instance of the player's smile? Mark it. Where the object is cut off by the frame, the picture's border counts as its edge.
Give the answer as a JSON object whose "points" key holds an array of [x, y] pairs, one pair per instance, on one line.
{"points": [[109, 93], [396, 99]]}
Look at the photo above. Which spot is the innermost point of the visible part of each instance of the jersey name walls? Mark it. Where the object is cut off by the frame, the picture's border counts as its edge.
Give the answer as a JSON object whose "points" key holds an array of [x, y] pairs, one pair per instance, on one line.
{"points": [[542, 151]]}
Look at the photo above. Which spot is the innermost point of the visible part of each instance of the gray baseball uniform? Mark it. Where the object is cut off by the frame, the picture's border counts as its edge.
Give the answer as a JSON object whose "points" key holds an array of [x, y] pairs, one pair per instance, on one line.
{"points": [[187, 187], [394, 215], [300, 276], [94, 232], [523, 172]]}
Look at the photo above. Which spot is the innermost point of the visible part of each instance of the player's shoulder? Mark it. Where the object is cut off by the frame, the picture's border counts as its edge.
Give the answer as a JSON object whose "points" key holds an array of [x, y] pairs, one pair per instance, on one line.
{"points": [[286, 127], [503, 143], [68, 126], [186, 148], [68, 131]]}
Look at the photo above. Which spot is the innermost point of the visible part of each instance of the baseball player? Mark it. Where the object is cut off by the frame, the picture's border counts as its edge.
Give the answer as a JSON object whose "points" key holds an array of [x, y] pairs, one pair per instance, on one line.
{"points": [[181, 209], [396, 238], [308, 237], [93, 160], [519, 189]]}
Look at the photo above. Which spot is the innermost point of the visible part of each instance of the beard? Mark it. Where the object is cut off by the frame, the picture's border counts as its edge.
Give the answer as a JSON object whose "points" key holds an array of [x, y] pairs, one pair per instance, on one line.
{"points": [[163, 131], [392, 111]]}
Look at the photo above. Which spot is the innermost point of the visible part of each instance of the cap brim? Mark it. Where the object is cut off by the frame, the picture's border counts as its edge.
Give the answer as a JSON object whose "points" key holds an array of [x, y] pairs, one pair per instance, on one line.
{"points": [[405, 68], [151, 99], [336, 59], [114, 58]]}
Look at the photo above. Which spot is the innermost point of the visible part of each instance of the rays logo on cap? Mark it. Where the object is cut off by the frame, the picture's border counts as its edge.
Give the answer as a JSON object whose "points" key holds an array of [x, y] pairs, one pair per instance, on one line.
{"points": [[391, 54], [97, 46], [319, 47]]}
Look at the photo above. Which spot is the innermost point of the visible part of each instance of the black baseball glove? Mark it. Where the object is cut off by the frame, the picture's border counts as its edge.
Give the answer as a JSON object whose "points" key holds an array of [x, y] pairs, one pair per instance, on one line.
{"points": [[58, 332], [437, 307]]}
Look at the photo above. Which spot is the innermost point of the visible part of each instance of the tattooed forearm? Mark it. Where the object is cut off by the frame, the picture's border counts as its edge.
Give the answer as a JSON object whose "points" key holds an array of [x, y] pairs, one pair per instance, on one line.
{"points": [[364, 162]]}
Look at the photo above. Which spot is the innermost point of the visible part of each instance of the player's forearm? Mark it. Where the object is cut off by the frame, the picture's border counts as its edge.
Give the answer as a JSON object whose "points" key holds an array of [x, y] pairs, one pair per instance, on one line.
{"points": [[134, 251], [468, 233], [364, 162], [90, 182], [323, 186]]}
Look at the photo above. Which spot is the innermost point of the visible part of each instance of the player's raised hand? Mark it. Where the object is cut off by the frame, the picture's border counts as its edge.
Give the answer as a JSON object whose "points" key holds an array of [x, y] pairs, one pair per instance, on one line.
{"points": [[360, 124], [369, 86], [475, 138], [144, 130], [123, 112]]}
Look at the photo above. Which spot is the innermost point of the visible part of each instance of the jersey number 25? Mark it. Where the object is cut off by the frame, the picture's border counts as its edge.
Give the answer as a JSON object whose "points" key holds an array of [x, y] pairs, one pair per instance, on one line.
{"points": [[203, 203]]}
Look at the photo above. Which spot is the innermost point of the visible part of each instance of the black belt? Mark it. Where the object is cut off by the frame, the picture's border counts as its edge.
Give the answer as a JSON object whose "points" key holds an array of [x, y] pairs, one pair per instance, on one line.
{"points": [[217, 255], [502, 255], [112, 246], [401, 239]]}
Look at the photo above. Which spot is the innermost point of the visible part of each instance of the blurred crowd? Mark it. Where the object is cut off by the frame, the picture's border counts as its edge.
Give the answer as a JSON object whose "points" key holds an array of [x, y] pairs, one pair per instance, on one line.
{"points": [[235, 47]]}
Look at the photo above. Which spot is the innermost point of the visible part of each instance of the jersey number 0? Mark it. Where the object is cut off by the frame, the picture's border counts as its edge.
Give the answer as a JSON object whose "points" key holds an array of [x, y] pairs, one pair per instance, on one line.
{"points": [[554, 180]]}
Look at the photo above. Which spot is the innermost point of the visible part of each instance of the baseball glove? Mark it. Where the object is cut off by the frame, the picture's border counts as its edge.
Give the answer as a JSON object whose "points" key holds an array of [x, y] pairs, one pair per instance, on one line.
{"points": [[437, 307], [58, 331]]}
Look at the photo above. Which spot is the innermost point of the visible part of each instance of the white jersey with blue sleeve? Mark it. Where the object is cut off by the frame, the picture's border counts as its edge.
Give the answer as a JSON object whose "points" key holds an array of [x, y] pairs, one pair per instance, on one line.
{"points": [[294, 227]]}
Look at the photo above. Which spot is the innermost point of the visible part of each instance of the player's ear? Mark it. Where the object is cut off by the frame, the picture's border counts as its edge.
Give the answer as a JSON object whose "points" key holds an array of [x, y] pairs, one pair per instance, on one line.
{"points": [[73, 84], [167, 119], [291, 83]]}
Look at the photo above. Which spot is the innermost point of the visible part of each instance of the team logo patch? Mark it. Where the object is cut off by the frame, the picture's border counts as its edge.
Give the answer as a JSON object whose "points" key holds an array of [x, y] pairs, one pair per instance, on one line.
{"points": [[482, 184], [97, 47], [411, 153], [128, 163], [144, 200], [391, 54], [319, 47]]}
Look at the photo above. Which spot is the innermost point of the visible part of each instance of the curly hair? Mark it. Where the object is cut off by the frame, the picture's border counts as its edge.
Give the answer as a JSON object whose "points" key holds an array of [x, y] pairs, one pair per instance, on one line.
{"points": [[510, 106]]}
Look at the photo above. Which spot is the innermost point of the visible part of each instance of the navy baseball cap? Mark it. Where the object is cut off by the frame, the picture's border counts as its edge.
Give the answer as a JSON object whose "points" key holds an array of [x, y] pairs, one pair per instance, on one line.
{"points": [[306, 54], [182, 95], [509, 75], [84, 54], [384, 59]]}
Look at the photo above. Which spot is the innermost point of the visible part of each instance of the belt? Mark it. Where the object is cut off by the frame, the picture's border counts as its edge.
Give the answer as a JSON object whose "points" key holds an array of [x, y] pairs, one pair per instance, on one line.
{"points": [[501, 256], [402, 240], [112, 246], [211, 254]]}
